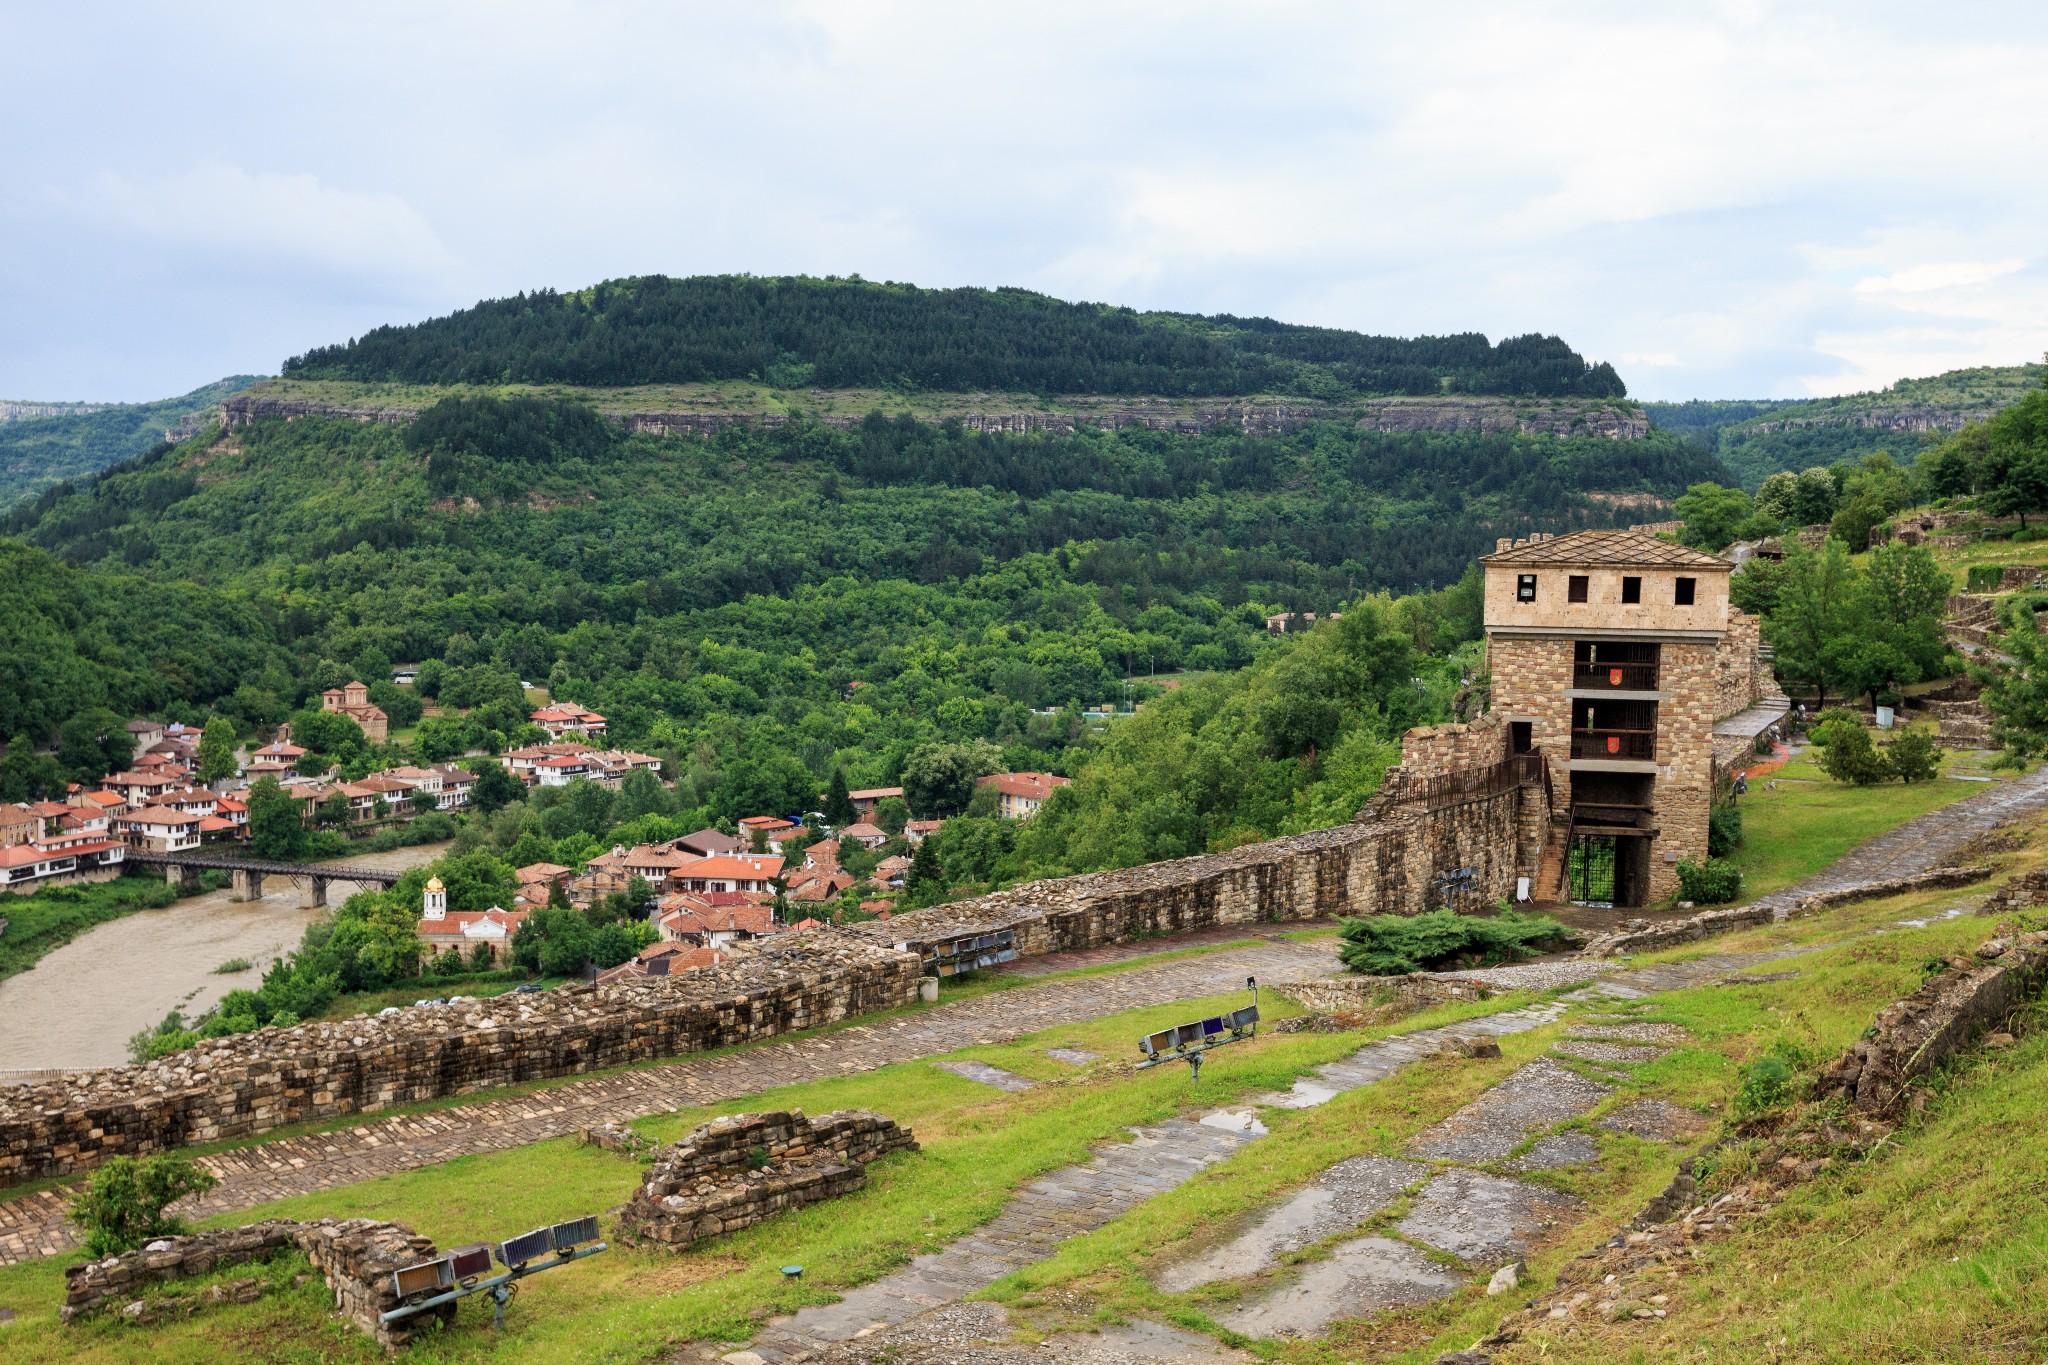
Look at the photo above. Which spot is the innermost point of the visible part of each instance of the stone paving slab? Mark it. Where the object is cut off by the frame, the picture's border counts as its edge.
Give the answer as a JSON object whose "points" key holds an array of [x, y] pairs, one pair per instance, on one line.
{"points": [[1072, 1056], [1630, 1033], [1485, 1219], [1654, 1119], [1569, 1148], [1037, 1219], [1360, 1277], [1337, 1200], [1533, 1098], [987, 1075], [1594, 1050]]}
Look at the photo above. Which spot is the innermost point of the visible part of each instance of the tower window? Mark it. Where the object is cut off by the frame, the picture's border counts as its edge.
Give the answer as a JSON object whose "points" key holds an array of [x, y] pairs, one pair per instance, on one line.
{"points": [[1525, 587], [1683, 594], [1631, 589], [1575, 589]]}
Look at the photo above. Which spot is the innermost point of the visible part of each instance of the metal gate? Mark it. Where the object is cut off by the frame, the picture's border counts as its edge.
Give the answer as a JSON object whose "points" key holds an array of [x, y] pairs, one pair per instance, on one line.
{"points": [[1590, 870]]}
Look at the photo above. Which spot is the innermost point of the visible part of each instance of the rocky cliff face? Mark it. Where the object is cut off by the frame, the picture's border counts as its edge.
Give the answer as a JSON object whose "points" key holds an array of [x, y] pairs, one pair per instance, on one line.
{"points": [[1912, 417], [1476, 416]]}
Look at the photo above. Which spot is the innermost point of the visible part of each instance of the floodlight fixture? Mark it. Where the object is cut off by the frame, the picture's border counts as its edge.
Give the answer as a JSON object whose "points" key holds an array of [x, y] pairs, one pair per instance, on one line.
{"points": [[471, 1261], [465, 1270], [1188, 1042], [527, 1246], [425, 1278], [573, 1233]]}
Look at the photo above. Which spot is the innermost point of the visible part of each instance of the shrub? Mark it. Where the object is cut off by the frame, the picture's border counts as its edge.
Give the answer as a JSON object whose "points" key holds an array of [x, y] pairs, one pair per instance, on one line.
{"points": [[1713, 882], [1984, 578], [1389, 945], [1724, 830], [1772, 1079], [1762, 747], [233, 965], [124, 1202], [1912, 757], [1824, 725], [1851, 757]]}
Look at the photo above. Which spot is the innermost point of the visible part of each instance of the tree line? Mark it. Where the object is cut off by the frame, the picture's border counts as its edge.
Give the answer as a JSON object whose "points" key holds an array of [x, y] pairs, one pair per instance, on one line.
{"points": [[799, 332]]}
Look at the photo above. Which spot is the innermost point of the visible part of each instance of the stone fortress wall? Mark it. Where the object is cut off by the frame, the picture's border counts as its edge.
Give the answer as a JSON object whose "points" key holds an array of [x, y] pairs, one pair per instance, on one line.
{"points": [[1452, 824]]}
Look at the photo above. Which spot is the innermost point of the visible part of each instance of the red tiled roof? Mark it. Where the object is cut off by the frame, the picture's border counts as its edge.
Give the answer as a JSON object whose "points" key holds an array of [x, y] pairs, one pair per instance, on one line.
{"points": [[1031, 786]]}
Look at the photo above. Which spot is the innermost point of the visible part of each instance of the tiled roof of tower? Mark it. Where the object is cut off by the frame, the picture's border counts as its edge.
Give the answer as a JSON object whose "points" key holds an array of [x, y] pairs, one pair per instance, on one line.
{"points": [[1605, 547]]}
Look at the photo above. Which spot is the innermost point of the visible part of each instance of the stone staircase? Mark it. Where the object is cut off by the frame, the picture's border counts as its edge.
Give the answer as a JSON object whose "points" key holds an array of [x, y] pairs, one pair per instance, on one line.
{"points": [[1964, 724], [1971, 619]]}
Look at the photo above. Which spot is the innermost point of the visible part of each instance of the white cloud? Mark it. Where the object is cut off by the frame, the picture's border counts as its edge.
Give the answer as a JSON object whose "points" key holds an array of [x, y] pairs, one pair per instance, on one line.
{"points": [[1933, 275], [222, 210]]}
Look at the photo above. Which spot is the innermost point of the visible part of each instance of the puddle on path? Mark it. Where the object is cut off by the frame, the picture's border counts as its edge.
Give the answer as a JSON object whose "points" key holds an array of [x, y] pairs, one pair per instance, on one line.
{"points": [[79, 1005], [1338, 1200], [987, 1075]]}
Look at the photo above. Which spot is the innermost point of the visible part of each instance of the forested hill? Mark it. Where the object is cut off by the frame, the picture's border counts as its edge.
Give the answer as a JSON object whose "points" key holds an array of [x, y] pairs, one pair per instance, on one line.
{"points": [[42, 444], [1756, 439], [832, 333]]}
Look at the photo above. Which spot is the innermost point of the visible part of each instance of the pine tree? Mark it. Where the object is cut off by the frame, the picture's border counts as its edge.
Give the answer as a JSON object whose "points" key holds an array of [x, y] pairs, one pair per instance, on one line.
{"points": [[838, 809], [925, 883]]}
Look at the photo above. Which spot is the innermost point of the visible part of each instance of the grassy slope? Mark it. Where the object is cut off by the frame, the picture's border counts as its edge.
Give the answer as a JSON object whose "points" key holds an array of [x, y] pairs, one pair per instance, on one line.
{"points": [[979, 1146], [1810, 820], [38, 925]]}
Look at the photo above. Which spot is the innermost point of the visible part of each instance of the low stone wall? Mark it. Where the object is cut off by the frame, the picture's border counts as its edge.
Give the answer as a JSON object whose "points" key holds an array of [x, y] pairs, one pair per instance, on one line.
{"points": [[356, 1256], [743, 1169], [1969, 997], [1646, 936], [245, 1085], [1385, 995]]}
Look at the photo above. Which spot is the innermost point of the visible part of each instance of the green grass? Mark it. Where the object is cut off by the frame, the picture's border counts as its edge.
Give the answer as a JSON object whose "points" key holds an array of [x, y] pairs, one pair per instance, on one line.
{"points": [[39, 924], [1810, 820]]}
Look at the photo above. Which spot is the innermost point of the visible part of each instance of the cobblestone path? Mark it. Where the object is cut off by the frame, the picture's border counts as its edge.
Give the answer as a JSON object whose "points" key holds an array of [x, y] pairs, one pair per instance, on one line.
{"points": [[34, 1226], [1919, 845]]}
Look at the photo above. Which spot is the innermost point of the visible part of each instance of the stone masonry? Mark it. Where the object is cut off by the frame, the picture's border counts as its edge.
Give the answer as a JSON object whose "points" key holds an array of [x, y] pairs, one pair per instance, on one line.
{"points": [[736, 1171], [356, 1256]]}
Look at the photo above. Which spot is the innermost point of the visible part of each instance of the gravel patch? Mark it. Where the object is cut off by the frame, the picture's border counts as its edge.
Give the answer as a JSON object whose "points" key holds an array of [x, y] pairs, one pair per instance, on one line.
{"points": [[1535, 1097]]}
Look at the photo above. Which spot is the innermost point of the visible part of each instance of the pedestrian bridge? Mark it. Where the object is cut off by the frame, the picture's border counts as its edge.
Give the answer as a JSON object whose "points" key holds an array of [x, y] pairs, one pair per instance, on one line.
{"points": [[312, 879]]}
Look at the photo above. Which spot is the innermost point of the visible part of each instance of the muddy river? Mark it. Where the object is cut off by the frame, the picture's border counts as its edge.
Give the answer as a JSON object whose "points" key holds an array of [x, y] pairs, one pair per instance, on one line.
{"points": [[78, 1006]]}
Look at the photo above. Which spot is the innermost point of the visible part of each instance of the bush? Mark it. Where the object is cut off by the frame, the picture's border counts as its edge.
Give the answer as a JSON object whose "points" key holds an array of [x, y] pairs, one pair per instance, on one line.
{"points": [[1913, 757], [1851, 757], [1984, 578], [1822, 727], [1713, 882], [1390, 945], [124, 1202], [1772, 1079], [1724, 830]]}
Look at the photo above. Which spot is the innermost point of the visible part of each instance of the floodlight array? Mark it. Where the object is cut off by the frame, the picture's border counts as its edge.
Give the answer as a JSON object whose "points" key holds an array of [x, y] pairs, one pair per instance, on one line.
{"points": [[970, 953], [1187, 1042], [466, 1270]]}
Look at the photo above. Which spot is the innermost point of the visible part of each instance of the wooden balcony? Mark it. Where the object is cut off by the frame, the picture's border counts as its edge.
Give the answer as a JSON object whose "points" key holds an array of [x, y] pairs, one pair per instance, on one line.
{"points": [[1638, 745]]}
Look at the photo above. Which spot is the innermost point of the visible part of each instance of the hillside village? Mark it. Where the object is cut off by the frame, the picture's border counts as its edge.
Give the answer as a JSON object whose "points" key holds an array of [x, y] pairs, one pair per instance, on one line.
{"points": [[702, 892]]}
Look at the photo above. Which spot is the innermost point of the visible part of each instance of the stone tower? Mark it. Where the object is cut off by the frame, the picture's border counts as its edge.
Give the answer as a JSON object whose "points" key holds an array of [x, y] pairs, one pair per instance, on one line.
{"points": [[1605, 649], [435, 905]]}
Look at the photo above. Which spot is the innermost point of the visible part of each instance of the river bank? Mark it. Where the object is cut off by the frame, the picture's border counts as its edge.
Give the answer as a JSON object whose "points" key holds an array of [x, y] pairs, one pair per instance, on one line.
{"points": [[80, 1004]]}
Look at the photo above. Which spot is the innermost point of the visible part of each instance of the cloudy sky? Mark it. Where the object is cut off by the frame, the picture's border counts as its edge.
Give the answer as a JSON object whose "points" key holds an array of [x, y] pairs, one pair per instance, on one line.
{"points": [[1726, 200]]}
